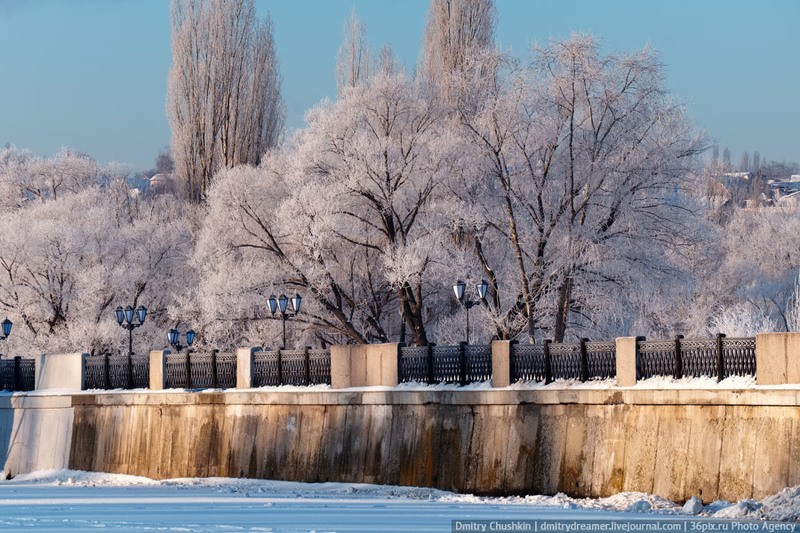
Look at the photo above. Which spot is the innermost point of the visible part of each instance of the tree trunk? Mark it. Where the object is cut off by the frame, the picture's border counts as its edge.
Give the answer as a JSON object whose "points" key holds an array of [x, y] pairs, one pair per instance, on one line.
{"points": [[412, 314]]}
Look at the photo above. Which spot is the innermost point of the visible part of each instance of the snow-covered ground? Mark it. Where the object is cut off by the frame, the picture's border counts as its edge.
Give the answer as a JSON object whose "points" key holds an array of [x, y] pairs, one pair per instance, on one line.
{"points": [[65, 500]]}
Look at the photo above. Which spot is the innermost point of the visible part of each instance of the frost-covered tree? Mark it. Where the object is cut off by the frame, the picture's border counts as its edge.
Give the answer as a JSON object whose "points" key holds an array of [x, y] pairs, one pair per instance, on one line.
{"points": [[456, 31], [583, 159], [342, 215], [223, 100], [75, 245], [353, 62], [755, 271], [744, 162], [26, 177], [726, 159]]}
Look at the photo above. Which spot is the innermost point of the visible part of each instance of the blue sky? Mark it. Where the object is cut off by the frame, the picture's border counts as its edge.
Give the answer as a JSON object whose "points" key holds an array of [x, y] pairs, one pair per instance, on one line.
{"points": [[91, 74]]}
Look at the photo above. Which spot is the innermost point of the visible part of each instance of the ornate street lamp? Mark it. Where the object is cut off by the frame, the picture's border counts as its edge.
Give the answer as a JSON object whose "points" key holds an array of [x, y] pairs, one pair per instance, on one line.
{"points": [[280, 304], [6, 329], [173, 338], [125, 318], [460, 290]]}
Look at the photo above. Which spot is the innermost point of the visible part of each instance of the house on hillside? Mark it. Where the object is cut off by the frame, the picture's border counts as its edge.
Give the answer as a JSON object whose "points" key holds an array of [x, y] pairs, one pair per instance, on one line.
{"points": [[163, 183]]}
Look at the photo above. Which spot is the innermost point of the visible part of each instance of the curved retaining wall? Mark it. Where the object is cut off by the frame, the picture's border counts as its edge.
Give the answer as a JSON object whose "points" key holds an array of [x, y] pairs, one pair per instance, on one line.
{"points": [[675, 443]]}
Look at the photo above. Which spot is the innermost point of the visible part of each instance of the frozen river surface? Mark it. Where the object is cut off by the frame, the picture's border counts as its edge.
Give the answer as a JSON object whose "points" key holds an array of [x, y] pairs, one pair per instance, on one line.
{"points": [[79, 501]]}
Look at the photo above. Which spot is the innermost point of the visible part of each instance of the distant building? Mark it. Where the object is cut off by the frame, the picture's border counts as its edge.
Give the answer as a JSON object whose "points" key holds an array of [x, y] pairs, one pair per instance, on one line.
{"points": [[163, 183], [790, 200]]}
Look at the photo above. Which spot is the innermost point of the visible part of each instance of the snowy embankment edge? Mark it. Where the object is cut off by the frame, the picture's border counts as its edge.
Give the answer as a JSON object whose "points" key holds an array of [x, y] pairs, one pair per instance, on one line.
{"points": [[784, 506]]}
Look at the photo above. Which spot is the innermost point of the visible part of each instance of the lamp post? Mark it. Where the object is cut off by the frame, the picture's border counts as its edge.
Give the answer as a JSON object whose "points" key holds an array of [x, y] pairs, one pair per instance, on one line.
{"points": [[6, 329], [6, 324], [459, 288], [173, 337], [125, 319], [280, 304]]}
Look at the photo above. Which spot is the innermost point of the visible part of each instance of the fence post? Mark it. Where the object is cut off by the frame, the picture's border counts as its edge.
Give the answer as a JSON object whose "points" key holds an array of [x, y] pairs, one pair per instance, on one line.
{"points": [[548, 363], [130, 372], [106, 372], [720, 362], [513, 366], [678, 358], [307, 365], [280, 365], [462, 363], [430, 362], [188, 370], [400, 370], [18, 373], [214, 375], [584, 361]]}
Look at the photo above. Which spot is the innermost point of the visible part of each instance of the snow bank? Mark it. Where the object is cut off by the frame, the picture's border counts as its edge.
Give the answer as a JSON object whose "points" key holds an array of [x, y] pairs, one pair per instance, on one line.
{"points": [[784, 506]]}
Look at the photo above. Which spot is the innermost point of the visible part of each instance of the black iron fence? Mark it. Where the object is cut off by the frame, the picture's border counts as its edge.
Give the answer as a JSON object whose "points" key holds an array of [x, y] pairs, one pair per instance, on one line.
{"points": [[549, 361], [200, 370], [720, 357], [116, 372], [461, 364], [17, 374], [292, 367]]}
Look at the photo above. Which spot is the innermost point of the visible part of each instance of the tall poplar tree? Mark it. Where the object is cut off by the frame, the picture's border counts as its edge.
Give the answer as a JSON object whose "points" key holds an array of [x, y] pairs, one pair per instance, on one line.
{"points": [[224, 102], [455, 30]]}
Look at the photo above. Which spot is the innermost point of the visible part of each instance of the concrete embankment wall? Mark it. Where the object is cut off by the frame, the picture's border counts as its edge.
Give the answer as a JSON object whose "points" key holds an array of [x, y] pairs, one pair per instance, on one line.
{"points": [[675, 443], [35, 432]]}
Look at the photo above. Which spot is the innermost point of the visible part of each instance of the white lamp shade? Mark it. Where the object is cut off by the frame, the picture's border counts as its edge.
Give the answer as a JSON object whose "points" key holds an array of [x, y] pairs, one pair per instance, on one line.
{"points": [[458, 289], [296, 300], [482, 288]]}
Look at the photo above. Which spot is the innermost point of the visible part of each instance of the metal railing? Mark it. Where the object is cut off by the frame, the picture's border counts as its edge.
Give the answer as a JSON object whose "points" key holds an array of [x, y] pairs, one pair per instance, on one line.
{"points": [[460, 364], [116, 372], [549, 361], [719, 358], [292, 367], [200, 370], [17, 374]]}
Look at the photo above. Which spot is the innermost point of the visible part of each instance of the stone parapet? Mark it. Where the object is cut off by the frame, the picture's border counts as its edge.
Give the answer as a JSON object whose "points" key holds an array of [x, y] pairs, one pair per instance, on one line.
{"points": [[501, 363], [60, 371], [626, 361], [244, 367], [364, 365], [778, 358], [158, 369]]}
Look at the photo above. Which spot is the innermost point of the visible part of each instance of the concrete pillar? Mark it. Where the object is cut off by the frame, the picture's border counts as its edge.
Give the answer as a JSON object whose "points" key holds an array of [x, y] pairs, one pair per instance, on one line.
{"points": [[777, 358], [381, 364], [60, 371], [340, 367], [626, 361], [364, 365], [244, 367], [158, 369], [501, 363]]}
